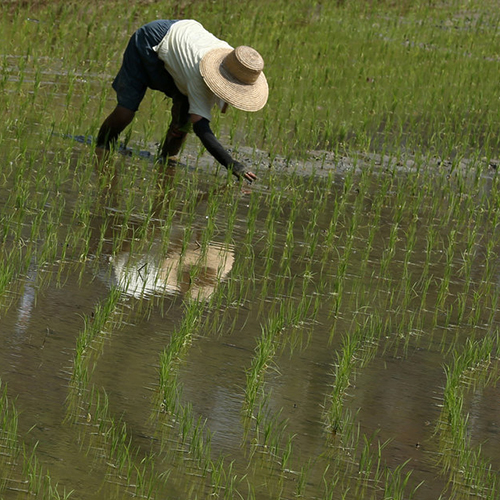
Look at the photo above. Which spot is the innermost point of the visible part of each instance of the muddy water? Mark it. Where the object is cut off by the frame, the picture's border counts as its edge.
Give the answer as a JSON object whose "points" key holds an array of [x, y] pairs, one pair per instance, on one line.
{"points": [[394, 398]]}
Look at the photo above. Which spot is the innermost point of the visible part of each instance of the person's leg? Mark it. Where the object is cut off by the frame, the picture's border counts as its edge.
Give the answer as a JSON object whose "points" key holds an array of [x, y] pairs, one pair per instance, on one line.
{"points": [[130, 85], [178, 129], [111, 128], [113, 125]]}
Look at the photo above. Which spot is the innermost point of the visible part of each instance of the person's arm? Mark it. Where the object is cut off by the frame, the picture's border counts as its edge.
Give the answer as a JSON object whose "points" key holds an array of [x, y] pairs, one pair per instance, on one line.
{"points": [[201, 127]]}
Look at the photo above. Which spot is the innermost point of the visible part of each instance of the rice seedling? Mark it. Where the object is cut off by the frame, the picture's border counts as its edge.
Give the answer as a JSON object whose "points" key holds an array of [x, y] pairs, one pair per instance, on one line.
{"points": [[169, 394], [9, 447], [264, 354], [21, 470], [357, 350], [475, 367], [90, 342], [110, 441]]}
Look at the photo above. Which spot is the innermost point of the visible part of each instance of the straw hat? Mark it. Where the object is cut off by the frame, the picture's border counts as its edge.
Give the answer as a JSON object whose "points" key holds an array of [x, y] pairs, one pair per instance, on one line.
{"points": [[235, 76]]}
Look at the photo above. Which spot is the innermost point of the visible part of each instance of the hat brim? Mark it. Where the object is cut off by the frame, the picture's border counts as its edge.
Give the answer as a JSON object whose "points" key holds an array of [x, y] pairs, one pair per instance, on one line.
{"points": [[247, 97]]}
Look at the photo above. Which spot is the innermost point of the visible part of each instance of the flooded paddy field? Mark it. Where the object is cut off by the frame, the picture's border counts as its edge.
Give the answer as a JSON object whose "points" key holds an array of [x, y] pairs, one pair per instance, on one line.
{"points": [[328, 332]]}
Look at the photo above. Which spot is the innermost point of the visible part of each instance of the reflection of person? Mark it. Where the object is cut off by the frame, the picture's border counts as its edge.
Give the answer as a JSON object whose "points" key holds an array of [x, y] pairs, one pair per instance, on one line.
{"points": [[185, 267], [196, 70], [192, 272]]}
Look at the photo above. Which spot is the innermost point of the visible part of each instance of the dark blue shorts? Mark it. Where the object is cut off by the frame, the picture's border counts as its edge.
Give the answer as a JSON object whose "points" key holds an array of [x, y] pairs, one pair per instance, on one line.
{"points": [[141, 68]]}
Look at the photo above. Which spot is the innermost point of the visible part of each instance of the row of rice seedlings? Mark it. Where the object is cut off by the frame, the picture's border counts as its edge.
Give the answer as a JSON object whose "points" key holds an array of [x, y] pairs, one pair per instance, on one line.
{"points": [[91, 340], [346, 268], [290, 314], [358, 349], [22, 219], [271, 447], [239, 288], [271, 456], [267, 255], [20, 469], [262, 359], [277, 205], [319, 194], [39, 483], [168, 385], [14, 262], [180, 418], [475, 367], [129, 470], [8, 436]]}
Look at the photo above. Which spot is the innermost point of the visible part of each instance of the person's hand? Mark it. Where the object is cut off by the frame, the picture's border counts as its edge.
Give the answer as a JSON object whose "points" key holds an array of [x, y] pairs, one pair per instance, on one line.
{"points": [[241, 172]]}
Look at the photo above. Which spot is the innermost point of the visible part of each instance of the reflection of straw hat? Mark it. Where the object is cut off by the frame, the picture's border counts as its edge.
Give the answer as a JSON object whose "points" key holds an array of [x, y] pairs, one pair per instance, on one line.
{"points": [[236, 77], [151, 274]]}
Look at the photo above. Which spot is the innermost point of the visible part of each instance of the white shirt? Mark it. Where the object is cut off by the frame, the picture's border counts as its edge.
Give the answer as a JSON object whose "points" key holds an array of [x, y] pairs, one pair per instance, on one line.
{"points": [[181, 50]]}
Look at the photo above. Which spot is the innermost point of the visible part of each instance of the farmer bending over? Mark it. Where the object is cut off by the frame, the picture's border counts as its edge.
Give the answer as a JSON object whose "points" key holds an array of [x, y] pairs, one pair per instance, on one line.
{"points": [[196, 70]]}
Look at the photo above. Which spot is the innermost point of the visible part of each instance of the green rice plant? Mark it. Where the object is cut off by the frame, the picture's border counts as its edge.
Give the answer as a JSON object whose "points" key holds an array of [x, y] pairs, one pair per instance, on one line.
{"points": [[211, 217], [251, 218], [475, 367], [358, 349], [445, 283], [369, 465], [9, 447], [111, 442], [264, 354], [302, 479], [90, 341], [224, 481], [390, 250], [169, 390], [396, 483], [331, 484], [270, 431], [39, 482], [20, 461]]}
